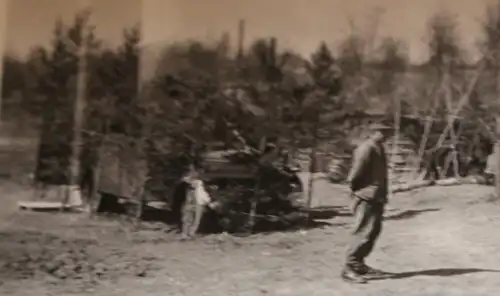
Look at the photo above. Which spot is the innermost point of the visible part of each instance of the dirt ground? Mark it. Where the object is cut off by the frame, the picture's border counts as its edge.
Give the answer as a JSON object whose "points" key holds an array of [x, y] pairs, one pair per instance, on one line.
{"points": [[440, 241]]}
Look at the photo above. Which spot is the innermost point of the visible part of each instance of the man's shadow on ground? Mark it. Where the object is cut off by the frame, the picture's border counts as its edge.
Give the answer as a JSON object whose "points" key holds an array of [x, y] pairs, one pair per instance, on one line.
{"points": [[440, 272], [328, 212], [408, 214]]}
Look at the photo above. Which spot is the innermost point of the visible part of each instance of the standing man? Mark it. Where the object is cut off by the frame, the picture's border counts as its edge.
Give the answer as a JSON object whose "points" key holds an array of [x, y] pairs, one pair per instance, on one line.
{"points": [[368, 180]]}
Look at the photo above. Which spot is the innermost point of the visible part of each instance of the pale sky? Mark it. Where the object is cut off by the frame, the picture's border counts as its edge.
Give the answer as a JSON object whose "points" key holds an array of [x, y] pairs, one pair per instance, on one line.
{"points": [[299, 24], [31, 22], [302, 25]]}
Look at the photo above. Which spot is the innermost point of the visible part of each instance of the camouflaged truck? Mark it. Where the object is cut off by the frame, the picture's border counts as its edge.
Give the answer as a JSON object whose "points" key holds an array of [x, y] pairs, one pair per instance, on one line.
{"points": [[246, 187]]}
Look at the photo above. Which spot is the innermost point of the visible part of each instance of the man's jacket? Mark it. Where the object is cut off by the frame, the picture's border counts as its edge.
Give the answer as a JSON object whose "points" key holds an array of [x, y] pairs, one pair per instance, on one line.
{"points": [[368, 176]]}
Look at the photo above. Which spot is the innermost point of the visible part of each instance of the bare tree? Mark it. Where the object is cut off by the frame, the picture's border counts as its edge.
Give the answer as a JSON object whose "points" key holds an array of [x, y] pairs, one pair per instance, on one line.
{"points": [[55, 76], [444, 43], [392, 62]]}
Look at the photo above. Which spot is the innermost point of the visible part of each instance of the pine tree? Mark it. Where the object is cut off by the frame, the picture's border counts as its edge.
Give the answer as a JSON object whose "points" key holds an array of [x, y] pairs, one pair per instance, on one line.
{"points": [[325, 71], [55, 75]]}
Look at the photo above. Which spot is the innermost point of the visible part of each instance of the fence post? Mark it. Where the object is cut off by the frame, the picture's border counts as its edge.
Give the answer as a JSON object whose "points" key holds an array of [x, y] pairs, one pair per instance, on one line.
{"points": [[395, 145], [497, 156], [313, 168]]}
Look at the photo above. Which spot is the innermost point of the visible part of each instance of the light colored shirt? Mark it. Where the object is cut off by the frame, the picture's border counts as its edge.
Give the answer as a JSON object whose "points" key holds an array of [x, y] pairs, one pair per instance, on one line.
{"points": [[491, 163]]}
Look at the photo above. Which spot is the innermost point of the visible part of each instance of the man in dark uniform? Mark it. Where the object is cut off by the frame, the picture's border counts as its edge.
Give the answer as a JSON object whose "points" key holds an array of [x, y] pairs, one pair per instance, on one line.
{"points": [[368, 181]]}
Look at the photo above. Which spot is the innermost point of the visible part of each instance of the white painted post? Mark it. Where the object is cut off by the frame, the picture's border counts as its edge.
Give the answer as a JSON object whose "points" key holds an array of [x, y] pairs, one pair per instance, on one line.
{"points": [[78, 114]]}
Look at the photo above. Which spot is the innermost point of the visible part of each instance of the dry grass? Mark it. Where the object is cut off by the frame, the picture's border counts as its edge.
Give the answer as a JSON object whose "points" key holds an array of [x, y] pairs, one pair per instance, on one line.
{"points": [[439, 238]]}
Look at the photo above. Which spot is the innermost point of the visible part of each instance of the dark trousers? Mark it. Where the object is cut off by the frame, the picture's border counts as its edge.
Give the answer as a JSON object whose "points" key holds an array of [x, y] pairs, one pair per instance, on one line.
{"points": [[367, 228]]}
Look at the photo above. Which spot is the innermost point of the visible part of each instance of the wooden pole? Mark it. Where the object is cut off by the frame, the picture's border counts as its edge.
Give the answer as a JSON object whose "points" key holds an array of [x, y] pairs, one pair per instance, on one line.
{"points": [[423, 144], [427, 129], [146, 130], [395, 142], [454, 136], [497, 155], [78, 114], [313, 168], [462, 102]]}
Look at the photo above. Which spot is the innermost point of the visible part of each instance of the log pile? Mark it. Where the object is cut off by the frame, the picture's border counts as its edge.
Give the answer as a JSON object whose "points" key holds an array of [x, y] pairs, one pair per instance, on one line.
{"points": [[402, 160]]}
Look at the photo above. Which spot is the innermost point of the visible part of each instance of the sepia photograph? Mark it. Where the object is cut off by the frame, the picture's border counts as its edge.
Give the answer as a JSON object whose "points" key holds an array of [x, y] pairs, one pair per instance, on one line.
{"points": [[249, 147]]}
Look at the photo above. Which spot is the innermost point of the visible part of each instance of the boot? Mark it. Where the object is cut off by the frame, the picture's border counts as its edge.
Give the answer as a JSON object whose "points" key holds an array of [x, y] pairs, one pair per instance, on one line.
{"points": [[352, 276]]}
